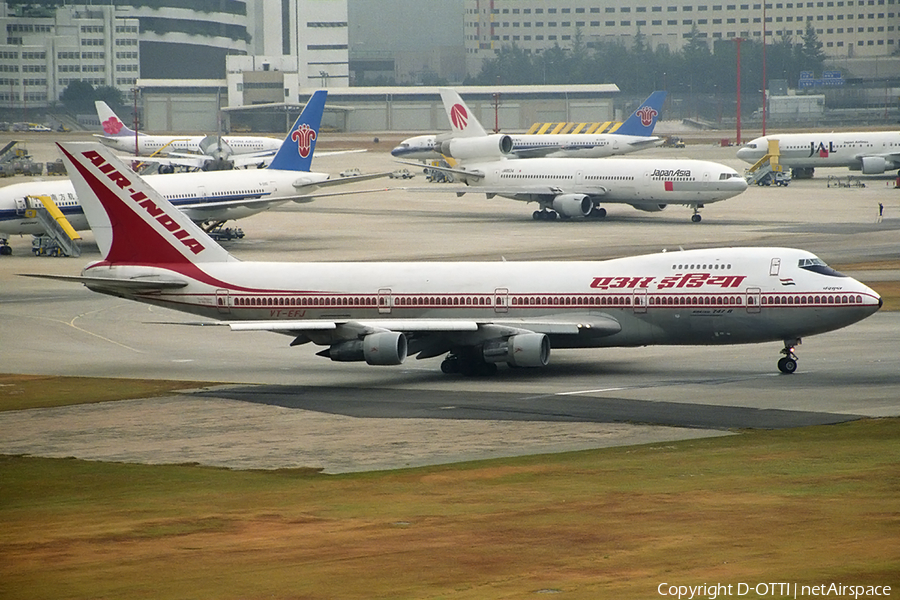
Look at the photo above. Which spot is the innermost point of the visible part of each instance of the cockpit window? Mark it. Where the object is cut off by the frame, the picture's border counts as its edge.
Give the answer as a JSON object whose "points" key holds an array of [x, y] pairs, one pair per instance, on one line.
{"points": [[726, 176], [817, 265]]}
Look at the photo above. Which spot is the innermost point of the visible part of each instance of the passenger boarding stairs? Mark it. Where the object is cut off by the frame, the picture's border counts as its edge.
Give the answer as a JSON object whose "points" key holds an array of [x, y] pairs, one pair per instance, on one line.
{"points": [[60, 238], [767, 169]]}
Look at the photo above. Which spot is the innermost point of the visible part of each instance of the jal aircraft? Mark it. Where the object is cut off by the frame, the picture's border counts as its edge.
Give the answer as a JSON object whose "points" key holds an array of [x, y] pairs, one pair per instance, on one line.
{"points": [[636, 133], [191, 151], [575, 187], [871, 152], [475, 314], [206, 197]]}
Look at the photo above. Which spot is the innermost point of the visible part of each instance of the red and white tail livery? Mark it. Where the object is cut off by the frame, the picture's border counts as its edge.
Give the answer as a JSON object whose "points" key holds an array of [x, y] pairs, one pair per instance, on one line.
{"points": [[475, 315]]}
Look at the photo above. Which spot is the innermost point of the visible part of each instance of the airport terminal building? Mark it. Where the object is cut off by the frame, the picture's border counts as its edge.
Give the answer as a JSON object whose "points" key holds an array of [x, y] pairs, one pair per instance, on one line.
{"points": [[847, 28]]}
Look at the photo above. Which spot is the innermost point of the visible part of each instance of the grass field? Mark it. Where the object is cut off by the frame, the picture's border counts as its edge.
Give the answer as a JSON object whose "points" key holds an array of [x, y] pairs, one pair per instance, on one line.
{"points": [[812, 506]]}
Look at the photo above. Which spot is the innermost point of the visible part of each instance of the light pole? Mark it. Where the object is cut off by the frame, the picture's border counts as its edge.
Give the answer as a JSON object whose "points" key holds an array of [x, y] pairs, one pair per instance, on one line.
{"points": [[738, 42]]}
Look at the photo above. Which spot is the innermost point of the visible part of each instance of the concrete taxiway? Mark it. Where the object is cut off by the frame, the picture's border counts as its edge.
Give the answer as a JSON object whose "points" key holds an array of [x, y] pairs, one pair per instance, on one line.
{"points": [[276, 406]]}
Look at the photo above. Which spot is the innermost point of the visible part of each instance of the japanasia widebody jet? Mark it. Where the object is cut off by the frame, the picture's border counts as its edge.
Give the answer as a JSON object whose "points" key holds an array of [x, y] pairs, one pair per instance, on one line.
{"points": [[199, 151], [872, 152], [575, 187], [210, 198], [475, 314], [636, 133]]}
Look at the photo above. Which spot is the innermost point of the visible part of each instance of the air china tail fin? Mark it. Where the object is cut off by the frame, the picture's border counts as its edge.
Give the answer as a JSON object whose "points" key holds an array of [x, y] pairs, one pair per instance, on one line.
{"points": [[112, 125], [462, 120], [132, 223], [643, 120], [296, 152]]}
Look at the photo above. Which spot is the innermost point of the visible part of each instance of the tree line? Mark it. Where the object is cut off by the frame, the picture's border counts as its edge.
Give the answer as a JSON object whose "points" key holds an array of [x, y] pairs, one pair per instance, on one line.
{"points": [[695, 69]]}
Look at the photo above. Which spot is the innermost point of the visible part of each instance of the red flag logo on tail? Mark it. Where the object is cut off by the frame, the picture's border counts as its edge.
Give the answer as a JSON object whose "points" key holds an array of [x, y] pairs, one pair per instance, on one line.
{"points": [[304, 136], [646, 114], [458, 116], [112, 126]]}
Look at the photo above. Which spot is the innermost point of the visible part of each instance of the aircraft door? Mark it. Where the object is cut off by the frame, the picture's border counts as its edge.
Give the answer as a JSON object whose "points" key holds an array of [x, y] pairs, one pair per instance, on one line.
{"points": [[223, 302], [775, 267], [754, 298], [385, 301], [640, 300], [21, 206], [501, 300]]}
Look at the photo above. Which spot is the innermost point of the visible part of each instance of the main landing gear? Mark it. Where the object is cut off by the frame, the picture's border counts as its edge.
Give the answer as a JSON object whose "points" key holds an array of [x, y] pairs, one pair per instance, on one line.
{"points": [[467, 362], [788, 363], [596, 213]]}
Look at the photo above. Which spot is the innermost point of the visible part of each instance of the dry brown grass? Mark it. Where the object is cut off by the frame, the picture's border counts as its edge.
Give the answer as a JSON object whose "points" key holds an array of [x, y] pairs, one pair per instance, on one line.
{"points": [[811, 505]]}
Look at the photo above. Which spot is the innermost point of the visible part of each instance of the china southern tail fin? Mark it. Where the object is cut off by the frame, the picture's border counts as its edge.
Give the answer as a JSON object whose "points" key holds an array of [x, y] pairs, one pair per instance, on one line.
{"points": [[462, 120], [296, 152], [132, 223], [643, 120], [112, 125]]}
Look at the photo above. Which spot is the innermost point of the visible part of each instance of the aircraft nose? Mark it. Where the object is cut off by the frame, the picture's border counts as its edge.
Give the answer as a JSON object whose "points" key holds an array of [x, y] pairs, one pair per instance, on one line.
{"points": [[746, 154], [397, 151]]}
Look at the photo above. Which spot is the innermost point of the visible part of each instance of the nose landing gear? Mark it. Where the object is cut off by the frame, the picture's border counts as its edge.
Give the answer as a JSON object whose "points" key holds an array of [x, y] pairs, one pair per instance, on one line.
{"points": [[788, 363]]}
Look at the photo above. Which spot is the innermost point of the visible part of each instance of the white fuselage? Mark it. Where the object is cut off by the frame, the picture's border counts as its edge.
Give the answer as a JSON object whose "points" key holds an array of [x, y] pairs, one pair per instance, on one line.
{"points": [[151, 144], [713, 296], [554, 145], [187, 191], [647, 182], [848, 149]]}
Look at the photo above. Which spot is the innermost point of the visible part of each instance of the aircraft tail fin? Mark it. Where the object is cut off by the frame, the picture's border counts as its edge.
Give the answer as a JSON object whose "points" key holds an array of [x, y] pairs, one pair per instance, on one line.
{"points": [[132, 223], [296, 152], [462, 120], [112, 125], [643, 120]]}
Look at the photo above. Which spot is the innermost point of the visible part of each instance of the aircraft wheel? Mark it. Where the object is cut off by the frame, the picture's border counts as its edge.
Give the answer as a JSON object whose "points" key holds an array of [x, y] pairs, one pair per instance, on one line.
{"points": [[787, 365], [537, 215], [597, 213], [5, 250], [696, 218], [450, 365]]}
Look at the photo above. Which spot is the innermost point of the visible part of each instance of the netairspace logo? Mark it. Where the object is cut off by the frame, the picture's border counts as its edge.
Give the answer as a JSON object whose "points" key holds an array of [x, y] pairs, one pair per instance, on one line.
{"points": [[776, 590]]}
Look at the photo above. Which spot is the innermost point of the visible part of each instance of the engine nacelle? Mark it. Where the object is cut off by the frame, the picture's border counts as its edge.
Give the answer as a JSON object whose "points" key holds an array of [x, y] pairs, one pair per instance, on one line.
{"points": [[384, 348], [573, 205], [523, 350], [650, 207], [491, 146], [873, 165]]}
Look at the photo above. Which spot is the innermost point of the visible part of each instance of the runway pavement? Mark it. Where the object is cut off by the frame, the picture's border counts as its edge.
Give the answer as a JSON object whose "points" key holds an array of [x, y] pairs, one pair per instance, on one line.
{"points": [[281, 406]]}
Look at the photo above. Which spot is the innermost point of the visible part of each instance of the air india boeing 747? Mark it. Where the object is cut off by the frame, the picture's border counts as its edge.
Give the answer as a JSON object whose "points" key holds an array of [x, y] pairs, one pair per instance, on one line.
{"points": [[475, 314]]}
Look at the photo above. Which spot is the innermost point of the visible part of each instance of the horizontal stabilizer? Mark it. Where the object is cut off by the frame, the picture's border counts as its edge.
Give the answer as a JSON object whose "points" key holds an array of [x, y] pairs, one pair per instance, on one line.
{"points": [[106, 283]]}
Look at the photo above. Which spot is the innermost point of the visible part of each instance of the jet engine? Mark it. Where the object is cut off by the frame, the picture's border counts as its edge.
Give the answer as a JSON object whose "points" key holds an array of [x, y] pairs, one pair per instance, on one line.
{"points": [[383, 348], [573, 205], [523, 350], [873, 165], [650, 207], [491, 146]]}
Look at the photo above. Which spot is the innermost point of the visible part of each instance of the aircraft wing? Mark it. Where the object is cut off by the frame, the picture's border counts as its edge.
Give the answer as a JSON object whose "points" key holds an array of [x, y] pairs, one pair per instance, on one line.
{"points": [[491, 191], [538, 152], [451, 170], [428, 337]]}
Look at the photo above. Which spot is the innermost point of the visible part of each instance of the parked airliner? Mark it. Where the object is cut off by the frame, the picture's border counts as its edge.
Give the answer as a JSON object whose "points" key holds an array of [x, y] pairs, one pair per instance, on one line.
{"points": [[871, 152], [575, 187], [477, 314], [200, 151], [636, 133], [206, 197]]}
